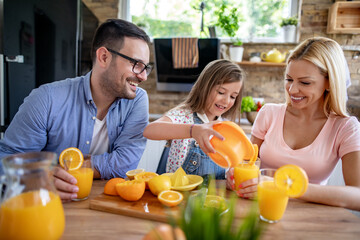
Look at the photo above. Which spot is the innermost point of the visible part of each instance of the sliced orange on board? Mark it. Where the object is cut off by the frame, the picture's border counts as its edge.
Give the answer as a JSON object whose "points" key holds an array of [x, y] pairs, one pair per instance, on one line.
{"points": [[235, 148], [71, 159], [110, 186], [131, 174], [170, 198], [131, 190], [292, 179], [145, 176]]}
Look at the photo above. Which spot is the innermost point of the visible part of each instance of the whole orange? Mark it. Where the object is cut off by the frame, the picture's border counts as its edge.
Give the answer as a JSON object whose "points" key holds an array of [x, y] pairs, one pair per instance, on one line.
{"points": [[165, 231], [131, 190], [110, 188], [159, 183]]}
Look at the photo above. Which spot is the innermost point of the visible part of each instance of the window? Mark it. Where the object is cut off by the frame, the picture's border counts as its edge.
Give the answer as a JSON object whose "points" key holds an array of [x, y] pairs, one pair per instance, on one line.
{"points": [[258, 19]]}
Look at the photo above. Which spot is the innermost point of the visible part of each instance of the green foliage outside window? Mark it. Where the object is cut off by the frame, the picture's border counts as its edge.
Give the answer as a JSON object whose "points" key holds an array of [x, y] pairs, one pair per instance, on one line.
{"points": [[261, 18]]}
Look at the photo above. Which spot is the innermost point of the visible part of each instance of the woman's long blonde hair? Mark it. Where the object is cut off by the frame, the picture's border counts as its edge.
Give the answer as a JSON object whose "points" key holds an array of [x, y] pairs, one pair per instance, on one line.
{"points": [[328, 56], [215, 73]]}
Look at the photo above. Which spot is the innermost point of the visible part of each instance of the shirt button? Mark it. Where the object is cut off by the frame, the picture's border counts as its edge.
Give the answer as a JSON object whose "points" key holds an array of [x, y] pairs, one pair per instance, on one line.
{"points": [[194, 163], [93, 118], [88, 102], [87, 142]]}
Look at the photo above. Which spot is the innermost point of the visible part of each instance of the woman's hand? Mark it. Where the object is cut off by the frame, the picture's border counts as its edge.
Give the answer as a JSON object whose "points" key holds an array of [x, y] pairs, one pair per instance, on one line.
{"points": [[247, 189], [202, 132], [65, 184]]}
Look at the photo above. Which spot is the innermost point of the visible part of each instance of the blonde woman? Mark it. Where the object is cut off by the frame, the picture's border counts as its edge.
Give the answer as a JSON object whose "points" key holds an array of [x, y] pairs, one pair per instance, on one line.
{"points": [[313, 129], [216, 94]]}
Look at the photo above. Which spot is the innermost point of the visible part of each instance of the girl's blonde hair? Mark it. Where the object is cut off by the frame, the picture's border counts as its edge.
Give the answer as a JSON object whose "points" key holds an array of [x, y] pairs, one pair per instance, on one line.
{"points": [[328, 56], [215, 73]]}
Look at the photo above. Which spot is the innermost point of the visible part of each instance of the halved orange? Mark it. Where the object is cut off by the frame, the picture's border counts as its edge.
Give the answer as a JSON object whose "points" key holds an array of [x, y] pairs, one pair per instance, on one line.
{"points": [[110, 186], [131, 190], [131, 174], [145, 176], [293, 179], [170, 198], [236, 146], [71, 159], [255, 156]]}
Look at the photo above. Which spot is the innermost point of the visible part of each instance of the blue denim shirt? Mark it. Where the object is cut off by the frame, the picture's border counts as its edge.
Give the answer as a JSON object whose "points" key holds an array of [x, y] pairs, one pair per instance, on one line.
{"points": [[62, 114]]}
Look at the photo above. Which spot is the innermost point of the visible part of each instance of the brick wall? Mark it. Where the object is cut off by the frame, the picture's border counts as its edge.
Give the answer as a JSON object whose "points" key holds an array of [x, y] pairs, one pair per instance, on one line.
{"points": [[266, 82]]}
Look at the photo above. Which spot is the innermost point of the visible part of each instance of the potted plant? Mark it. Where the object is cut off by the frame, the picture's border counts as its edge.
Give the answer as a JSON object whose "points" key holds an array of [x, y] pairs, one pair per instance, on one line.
{"points": [[228, 20], [250, 107], [289, 28]]}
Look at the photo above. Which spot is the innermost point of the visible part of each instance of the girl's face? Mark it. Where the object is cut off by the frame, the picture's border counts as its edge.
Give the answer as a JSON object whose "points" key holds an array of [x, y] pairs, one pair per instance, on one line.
{"points": [[305, 84], [221, 99]]}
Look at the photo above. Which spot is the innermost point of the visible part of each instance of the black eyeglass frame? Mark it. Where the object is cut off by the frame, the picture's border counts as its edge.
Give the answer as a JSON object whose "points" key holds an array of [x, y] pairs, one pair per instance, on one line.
{"points": [[147, 68]]}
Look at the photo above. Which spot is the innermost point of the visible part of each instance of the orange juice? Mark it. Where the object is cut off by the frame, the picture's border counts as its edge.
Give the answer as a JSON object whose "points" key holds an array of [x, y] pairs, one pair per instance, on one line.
{"points": [[244, 172], [84, 177], [32, 215], [272, 201]]}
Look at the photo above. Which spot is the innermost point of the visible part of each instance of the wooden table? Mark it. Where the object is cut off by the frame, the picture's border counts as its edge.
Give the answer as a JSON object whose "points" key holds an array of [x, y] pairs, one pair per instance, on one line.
{"points": [[302, 220]]}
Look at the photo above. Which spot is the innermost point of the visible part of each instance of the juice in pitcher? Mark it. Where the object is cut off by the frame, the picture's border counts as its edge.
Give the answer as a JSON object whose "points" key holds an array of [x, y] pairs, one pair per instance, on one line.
{"points": [[32, 215]]}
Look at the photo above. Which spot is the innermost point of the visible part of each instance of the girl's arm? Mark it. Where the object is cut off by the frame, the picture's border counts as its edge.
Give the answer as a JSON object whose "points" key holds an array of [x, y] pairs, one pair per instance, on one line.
{"points": [[164, 129], [342, 196]]}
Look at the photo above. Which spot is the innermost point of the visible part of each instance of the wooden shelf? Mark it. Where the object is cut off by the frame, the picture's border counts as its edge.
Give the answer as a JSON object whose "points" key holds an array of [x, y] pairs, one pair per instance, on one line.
{"points": [[344, 17], [261, 64]]}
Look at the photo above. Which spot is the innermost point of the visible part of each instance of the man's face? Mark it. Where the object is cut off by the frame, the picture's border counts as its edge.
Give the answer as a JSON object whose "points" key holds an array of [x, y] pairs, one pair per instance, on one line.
{"points": [[119, 81]]}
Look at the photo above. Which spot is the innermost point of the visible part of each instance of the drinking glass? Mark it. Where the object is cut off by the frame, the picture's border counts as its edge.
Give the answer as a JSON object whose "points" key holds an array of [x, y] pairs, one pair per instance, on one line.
{"points": [[84, 176], [272, 200], [245, 171]]}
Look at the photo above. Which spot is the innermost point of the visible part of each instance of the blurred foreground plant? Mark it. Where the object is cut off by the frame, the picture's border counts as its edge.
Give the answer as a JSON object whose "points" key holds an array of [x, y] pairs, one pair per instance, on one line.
{"points": [[212, 223]]}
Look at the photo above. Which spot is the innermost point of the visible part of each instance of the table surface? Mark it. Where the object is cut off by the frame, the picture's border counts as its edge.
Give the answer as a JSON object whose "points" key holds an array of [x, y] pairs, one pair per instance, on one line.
{"points": [[302, 220]]}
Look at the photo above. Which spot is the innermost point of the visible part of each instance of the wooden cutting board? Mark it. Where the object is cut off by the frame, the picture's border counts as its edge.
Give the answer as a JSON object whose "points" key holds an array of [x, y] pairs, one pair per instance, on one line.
{"points": [[148, 207]]}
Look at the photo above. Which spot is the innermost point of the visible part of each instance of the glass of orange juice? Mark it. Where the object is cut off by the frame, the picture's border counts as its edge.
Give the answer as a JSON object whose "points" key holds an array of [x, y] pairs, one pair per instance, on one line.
{"points": [[245, 171], [84, 176], [30, 207], [272, 200]]}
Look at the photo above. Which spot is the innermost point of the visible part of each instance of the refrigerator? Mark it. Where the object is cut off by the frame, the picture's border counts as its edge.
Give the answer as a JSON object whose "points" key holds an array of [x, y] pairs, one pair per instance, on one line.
{"points": [[40, 42]]}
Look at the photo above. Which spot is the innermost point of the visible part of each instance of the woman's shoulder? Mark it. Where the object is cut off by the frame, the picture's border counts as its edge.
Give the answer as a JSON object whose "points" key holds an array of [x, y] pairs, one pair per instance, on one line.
{"points": [[350, 122]]}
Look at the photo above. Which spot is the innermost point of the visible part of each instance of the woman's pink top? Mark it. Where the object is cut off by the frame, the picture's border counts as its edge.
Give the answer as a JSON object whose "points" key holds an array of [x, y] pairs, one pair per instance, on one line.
{"points": [[338, 137]]}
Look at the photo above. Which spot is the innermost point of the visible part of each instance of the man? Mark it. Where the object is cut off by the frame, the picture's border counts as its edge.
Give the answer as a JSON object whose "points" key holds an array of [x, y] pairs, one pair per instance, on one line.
{"points": [[102, 113]]}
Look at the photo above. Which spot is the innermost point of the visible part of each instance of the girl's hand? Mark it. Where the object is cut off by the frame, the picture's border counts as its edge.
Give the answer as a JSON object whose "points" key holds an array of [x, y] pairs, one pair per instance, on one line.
{"points": [[202, 132], [230, 183]]}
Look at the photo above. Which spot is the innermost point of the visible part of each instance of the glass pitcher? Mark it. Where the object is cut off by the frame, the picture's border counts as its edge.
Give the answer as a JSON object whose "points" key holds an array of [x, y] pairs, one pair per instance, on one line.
{"points": [[30, 206]]}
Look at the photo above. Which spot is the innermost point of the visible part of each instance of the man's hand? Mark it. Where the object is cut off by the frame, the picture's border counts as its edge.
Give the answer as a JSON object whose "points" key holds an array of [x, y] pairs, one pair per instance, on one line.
{"points": [[65, 184]]}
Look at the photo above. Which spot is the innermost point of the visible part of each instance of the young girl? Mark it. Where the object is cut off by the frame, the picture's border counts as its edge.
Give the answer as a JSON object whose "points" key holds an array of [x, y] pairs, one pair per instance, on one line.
{"points": [[313, 129], [216, 94]]}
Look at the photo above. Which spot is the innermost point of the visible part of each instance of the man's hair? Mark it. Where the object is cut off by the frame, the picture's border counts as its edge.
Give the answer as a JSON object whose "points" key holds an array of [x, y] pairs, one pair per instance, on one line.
{"points": [[328, 56], [215, 73], [111, 34]]}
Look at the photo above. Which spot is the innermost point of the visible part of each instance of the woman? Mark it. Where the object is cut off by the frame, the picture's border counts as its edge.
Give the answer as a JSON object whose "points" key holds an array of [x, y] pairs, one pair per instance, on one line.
{"points": [[312, 130]]}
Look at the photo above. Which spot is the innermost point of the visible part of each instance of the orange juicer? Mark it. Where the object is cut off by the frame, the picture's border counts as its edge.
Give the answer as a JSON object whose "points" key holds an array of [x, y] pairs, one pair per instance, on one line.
{"points": [[234, 148]]}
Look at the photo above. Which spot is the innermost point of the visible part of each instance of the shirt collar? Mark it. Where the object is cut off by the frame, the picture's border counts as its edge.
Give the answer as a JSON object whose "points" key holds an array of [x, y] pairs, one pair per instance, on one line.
{"points": [[205, 119], [87, 88]]}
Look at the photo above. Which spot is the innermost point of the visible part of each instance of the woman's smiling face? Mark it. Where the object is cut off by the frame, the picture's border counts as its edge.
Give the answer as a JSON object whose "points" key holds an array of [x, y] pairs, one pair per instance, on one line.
{"points": [[221, 99], [305, 84]]}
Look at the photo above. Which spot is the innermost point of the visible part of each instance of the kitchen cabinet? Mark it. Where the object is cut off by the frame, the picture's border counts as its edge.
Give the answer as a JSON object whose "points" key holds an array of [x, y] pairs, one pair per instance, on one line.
{"points": [[344, 18], [261, 64]]}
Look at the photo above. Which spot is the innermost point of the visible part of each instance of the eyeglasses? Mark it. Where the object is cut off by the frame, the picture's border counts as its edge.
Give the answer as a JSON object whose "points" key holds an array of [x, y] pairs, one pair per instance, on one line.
{"points": [[138, 66]]}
